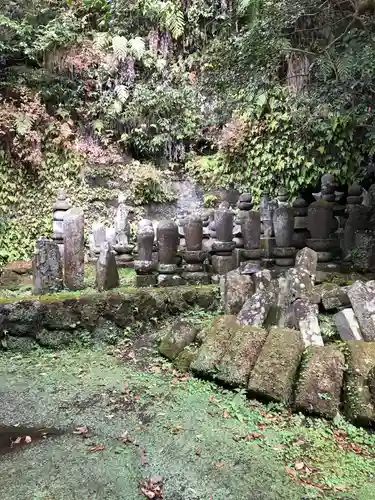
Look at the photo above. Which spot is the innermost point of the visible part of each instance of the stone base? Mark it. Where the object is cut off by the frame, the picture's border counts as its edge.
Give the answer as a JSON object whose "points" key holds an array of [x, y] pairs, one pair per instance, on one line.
{"points": [[144, 266], [192, 257], [267, 263], [170, 280], [222, 264], [325, 256], [322, 245], [299, 238], [167, 268], [238, 256], [284, 253], [198, 278], [251, 254], [300, 222], [267, 244], [193, 268], [145, 280], [287, 262]]}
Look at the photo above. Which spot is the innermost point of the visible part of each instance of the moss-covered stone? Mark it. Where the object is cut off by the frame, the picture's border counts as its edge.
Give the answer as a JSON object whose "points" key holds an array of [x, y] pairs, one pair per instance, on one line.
{"points": [[243, 351], [320, 382], [179, 335], [54, 338], [186, 357], [215, 346], [64, 312], [273, 375], [107, 332], [23, 344], [359, 406]]}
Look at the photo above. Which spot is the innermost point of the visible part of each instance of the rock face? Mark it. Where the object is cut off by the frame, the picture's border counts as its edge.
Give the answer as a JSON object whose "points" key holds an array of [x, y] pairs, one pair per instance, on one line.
{"points": [[180, 335], [359, 405], [362, 299], [74, 249], [347, 325], [320, 382], [107, 276], [47, 268], [273, 375], [235, 289]]}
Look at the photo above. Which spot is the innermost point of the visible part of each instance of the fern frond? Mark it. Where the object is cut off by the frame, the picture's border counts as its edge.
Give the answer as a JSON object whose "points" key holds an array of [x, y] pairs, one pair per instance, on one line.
{"points": [[101, 40], [23, 124], [137, 47], [174, 20], [122, 93], [120, 47]]}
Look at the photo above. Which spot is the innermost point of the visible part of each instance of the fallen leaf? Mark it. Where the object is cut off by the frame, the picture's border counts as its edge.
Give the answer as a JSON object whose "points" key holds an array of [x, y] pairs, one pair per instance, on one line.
{"points": [[226, 414], [153, 488], [198, 452], [340, 487], [255, 435], [290, 471], [279, 447], [299, 465], [98, 447], [81, 430], [300, 442], [212, 398], [28, 439], [17, 441], [219, 465], [124, 438]]}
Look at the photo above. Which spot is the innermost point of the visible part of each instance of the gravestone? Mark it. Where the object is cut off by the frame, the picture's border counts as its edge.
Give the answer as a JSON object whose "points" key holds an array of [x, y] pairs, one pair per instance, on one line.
{"points": [[74, 249], [167, 238], [144, 265], [59, 209], [194, 255], [47, 267], [107, 276]]}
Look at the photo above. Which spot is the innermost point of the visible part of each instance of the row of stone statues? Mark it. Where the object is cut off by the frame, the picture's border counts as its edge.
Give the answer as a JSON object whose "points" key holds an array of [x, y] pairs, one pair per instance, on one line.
{"points": [[199, 247]]}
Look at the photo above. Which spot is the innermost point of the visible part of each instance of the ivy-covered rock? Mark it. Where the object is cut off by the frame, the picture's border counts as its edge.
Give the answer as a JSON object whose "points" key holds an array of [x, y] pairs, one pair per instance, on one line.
{"points": [[23, 344], [215, 345], [180, 334], [320, 381], [55, 338], [243, 351], [273, 375], [359, 405]]}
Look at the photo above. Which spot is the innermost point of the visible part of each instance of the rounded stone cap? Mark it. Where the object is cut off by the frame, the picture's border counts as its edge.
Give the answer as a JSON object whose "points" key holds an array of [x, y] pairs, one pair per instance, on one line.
{"points": [[355, 190], [245, 197]]}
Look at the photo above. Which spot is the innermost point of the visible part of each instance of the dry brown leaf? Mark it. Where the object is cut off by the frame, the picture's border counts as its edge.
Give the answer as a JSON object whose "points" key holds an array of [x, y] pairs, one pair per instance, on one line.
{"points": [[98, 447], [143, 458], [219, 465], [299, 465], [198, 452], [81, 430], [226, 414], [28, 439], [155, 369]]}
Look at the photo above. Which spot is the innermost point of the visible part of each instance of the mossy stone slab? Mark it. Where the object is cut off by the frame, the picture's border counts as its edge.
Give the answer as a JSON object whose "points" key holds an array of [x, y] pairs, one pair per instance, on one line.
{"points": [[320, 382], [272, 377], [215, 345], [359, 406], [243, 351]]}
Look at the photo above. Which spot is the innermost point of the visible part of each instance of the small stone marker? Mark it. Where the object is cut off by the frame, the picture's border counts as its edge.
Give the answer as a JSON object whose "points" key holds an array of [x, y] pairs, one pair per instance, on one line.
{"points": [[74, 249], [306, 320], [47, 267], [347, 325], [106, 269]]}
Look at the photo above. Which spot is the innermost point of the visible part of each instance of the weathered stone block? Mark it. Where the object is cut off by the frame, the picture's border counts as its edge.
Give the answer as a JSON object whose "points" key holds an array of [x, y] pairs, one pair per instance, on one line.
{"points": [[179, 335], [335, 298], [255, 310], [306, 320], [362, 299], [359, 407], [222, 264], [307, 259], [320, 381], [347, 325], [215, 345], [235, 289], [74, 249], [107, 276], [273, 375], [243, 351], [47, 268]]}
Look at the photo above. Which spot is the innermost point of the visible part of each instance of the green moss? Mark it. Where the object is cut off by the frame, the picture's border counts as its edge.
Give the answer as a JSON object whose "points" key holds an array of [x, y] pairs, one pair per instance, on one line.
{"points": [[215, 345], [186, 358], [273, 375], [179, 335], [243, 351], [320, 382], [359, 406]]}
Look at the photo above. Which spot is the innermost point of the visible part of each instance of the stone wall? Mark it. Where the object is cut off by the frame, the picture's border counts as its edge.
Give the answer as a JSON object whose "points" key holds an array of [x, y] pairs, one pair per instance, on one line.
{"points": [[59, 319]]}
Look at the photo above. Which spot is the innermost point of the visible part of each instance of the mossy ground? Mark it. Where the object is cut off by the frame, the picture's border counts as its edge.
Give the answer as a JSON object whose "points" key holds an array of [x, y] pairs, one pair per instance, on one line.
{"points": [[127, 278], [207, 443]]}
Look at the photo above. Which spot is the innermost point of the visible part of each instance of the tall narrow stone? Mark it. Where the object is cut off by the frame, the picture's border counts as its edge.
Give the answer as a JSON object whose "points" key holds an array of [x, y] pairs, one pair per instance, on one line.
{"points": [[74, 249], [106, 269], [47, 267], [144, 265]]}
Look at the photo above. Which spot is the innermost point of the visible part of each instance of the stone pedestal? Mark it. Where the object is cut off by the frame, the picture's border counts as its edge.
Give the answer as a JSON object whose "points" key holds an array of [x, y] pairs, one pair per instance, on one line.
{"points": [[193, 271], [301, 233], [59, 209], [145, 264], [283, 222], [223, 258], [74, 249], [168, 240], [322, 226], [284, 256], [250, 227]]}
